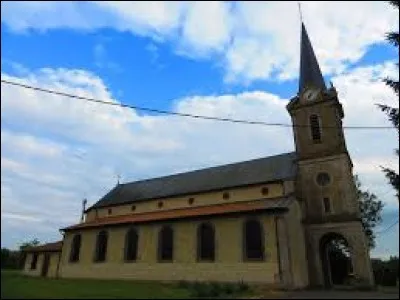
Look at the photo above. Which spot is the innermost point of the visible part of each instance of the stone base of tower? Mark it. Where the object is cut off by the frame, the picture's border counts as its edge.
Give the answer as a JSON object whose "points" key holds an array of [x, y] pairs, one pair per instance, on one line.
{"points": [[317, 236]]}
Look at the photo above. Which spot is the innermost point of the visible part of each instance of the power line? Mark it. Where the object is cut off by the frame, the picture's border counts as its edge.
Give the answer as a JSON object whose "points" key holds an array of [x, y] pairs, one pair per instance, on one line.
{"points": [[387, 229], [179, 114]]}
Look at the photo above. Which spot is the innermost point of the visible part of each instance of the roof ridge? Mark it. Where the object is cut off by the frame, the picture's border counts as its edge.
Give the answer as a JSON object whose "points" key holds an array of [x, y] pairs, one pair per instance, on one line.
{"points": [[208, 168]]}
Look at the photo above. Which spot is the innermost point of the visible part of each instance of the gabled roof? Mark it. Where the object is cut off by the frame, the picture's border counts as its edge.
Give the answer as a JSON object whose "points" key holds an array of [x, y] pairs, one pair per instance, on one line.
{"points": [[49, 247], [275, 204], [310, 73], [262, 170]]}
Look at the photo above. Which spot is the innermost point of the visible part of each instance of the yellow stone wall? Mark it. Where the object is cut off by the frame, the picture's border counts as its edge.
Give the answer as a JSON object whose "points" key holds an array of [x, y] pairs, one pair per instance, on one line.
{"points": [[236, 195], [54, 258], [228, 265]]}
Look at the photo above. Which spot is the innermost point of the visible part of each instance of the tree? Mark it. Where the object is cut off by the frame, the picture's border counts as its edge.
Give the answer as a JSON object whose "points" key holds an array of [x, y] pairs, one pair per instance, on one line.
{"points": [[9, 259], [31, 243], [392, 112], [370, 210]]}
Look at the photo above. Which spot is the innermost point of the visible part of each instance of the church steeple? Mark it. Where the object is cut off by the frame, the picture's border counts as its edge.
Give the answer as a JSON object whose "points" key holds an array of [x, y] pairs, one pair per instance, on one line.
{"points": [[310, 73]]}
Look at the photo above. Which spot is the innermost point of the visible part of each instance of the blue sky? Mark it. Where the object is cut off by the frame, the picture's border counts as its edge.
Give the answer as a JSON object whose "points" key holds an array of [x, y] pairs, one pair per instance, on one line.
{"points": [[218, 59]]}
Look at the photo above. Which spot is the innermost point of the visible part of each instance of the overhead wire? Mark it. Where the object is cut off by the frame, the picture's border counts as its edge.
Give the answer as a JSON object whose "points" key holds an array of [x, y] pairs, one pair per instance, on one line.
{"points": [[178, 113], [382, 232]]}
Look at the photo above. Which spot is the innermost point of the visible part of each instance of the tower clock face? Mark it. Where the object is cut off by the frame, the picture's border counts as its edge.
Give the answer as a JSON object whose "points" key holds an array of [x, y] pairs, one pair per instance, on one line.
{"points": [[310, 94]]}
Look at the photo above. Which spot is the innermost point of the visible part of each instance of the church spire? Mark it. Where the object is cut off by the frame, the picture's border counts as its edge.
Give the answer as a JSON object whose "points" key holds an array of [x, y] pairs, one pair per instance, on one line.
{"points": [[310, 73]]}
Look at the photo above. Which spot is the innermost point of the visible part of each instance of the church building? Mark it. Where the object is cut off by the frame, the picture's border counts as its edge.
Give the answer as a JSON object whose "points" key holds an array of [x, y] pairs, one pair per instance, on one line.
{"points": [[267, 220]]}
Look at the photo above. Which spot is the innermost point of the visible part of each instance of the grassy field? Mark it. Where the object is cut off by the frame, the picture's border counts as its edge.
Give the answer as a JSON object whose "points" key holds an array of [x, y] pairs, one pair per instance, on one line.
{"points": [[14, 285]]}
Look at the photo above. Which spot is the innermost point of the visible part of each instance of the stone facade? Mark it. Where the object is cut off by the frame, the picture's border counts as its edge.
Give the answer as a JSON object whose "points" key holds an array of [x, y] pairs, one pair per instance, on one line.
{"points": [[329, 206]]}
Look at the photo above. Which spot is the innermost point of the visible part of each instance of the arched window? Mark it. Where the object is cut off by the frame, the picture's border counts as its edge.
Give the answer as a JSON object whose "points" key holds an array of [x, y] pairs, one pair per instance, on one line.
{"points": [[206, 242], [315, 128], [75, 248], [34, 261], [131, 244], [165, 244], [101, 246], [327, 205], [253, 240]]}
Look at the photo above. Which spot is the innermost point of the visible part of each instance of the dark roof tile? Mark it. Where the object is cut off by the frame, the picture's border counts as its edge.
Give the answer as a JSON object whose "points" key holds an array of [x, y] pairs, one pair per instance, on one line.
{"points": [[49, 247], [250, 172]]}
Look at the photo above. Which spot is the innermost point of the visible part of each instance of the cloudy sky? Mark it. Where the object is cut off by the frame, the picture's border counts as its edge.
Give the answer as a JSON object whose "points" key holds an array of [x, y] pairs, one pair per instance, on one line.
{"points": [[237, 60]]}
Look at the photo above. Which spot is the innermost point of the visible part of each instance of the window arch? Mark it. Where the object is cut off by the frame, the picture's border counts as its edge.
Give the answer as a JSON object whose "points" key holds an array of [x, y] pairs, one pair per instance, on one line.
{"points": [[75, 248], [101, 246], [315, 128], [131, 244], [253, 240], [205, 242], [165, 244]]}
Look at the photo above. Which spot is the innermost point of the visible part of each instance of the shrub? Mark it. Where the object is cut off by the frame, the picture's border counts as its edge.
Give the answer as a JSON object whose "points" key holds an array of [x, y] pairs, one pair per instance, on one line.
{"points": [[199, 290], [184, 284], [215, 289], [243, 286], [228, 288]]}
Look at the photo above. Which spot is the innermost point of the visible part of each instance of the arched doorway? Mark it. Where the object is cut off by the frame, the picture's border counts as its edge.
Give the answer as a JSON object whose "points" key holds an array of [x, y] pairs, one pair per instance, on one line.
{"points": [[336, 260]]}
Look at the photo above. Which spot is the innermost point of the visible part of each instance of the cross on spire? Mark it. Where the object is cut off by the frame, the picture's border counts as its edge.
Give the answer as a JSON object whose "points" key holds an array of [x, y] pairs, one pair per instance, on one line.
{"points": [[301, 15]]}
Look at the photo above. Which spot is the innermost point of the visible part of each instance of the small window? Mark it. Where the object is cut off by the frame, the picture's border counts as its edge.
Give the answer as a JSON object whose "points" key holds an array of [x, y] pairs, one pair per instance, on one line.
{"points": [[323, 179], [264, 191], [315, 129], [133, 208], [34, 261], [160, 204], [190, 201], [109, 211], [327, 205], [225, 196]]}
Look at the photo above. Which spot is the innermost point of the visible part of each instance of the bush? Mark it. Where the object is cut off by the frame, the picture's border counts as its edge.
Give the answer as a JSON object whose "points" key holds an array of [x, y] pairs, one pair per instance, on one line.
{"points": [[184, 284], [199, 290], [243, 287], [215, 289], [228, 288]]}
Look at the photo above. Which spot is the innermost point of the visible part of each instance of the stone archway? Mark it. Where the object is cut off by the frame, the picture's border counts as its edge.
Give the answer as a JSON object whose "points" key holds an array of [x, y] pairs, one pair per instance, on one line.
{"points": [[336, 259]]}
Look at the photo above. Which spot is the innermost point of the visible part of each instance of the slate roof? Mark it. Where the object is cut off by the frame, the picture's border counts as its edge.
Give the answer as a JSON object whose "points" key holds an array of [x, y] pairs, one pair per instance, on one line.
{"points": [[262, 170], [49, 247], [310, 73], [275, 204]]}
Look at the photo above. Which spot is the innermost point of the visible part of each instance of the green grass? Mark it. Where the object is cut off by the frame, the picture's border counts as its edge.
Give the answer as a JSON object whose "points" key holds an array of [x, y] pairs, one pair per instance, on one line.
{"points": [[14, 285]]}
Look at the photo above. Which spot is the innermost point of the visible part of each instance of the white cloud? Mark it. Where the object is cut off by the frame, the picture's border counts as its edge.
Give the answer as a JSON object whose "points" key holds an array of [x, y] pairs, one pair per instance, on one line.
{"points": [[251, 40], [59, 150], [207, 26], [20, 217]]}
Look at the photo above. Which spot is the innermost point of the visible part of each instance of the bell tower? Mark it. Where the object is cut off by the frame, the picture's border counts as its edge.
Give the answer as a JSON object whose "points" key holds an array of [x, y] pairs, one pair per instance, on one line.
{"points": [[324, 183]]}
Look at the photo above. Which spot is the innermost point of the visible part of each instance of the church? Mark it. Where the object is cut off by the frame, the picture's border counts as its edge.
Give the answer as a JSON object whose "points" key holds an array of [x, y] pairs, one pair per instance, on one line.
{"points": [[266, 221]]}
